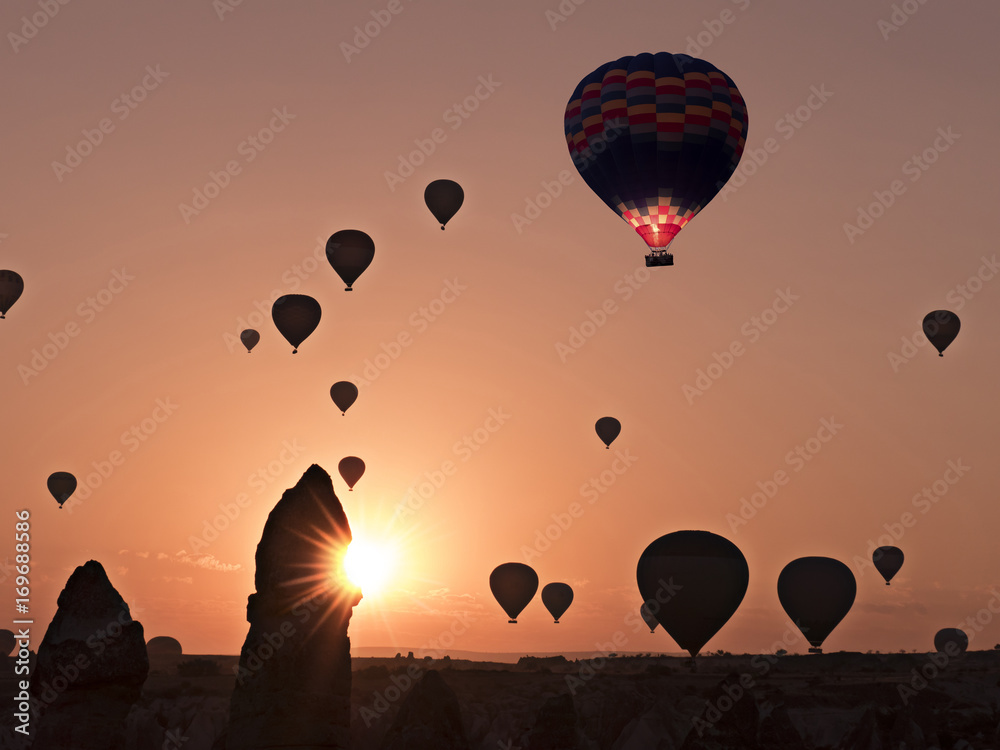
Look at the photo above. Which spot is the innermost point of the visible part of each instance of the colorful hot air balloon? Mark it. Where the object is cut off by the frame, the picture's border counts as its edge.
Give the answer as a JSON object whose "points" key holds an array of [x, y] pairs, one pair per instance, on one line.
{"points": [[941, 327], [952, 641], [888, 561], [608, 428], [296, 316], [513, 585], [11, 286], [444, 198], [557, 597], [817, 593], [648, 617], [344, 393], [351, 469], [698, 579], [249, 337], [350, 252], [656, 136], [62, 485]]}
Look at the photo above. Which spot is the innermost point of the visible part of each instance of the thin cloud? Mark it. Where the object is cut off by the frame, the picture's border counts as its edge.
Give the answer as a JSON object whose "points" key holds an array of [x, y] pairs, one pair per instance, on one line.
{"points": [[208, 562]]}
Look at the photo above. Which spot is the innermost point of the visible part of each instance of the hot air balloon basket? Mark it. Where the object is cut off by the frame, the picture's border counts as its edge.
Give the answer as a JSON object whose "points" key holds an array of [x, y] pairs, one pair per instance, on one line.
{"points": [[659, 259]]}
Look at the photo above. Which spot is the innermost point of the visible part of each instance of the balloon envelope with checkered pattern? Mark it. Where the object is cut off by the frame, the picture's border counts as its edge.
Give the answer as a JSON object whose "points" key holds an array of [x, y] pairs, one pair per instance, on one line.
{"points": [[656, 136]]}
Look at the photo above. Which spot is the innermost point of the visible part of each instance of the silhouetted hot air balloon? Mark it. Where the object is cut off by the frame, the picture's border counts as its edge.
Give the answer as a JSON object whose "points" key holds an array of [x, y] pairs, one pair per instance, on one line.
{"points": [[698, 579], [513, 585], [648, 617], [817, 593], [61, 484], [7, 642], [249, 337], [344, 393], [557, 597], [351, 469], [11, 286], [163, 645], [608, 429], [656, 136], [941, 327], [350, 252], [951, 641], [444, 198], [888, 561], [296, 316]]}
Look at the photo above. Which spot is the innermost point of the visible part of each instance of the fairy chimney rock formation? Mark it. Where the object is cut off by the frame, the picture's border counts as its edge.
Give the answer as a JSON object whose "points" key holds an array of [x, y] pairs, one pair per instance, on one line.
{"points": [[293, 683], [91, 666]]}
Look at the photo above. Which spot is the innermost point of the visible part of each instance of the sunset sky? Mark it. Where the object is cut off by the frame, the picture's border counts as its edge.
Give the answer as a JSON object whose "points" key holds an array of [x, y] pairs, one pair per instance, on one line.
{"points": [[308, 126]]}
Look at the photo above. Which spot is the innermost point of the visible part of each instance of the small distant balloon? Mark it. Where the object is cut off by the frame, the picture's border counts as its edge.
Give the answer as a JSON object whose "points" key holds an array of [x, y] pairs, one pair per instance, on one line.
{"points": [[888, 561], [344, 393], [444, 198], [296, 316], [557, 597], [11, 286], [698, 579], [608, 429], [951, 641], [62, 485], [941, 327], [164, 645], [350, 252], [648, 617], [513, 585], [249, 337], [7, 642], [351, 469], [817, 593]]}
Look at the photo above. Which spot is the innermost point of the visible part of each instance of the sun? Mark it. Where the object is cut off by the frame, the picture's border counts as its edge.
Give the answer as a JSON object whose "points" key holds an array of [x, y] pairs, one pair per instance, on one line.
{"points": [[369, 566]]}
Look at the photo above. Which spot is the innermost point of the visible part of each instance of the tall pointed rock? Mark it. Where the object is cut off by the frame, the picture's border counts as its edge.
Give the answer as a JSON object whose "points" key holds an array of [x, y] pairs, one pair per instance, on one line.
{"points": [[91, 666], [293, 686]]}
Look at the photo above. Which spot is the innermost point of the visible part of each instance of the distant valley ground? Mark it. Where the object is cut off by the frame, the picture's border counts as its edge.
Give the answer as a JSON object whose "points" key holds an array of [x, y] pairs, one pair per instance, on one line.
{"points": [[835, 701]]}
